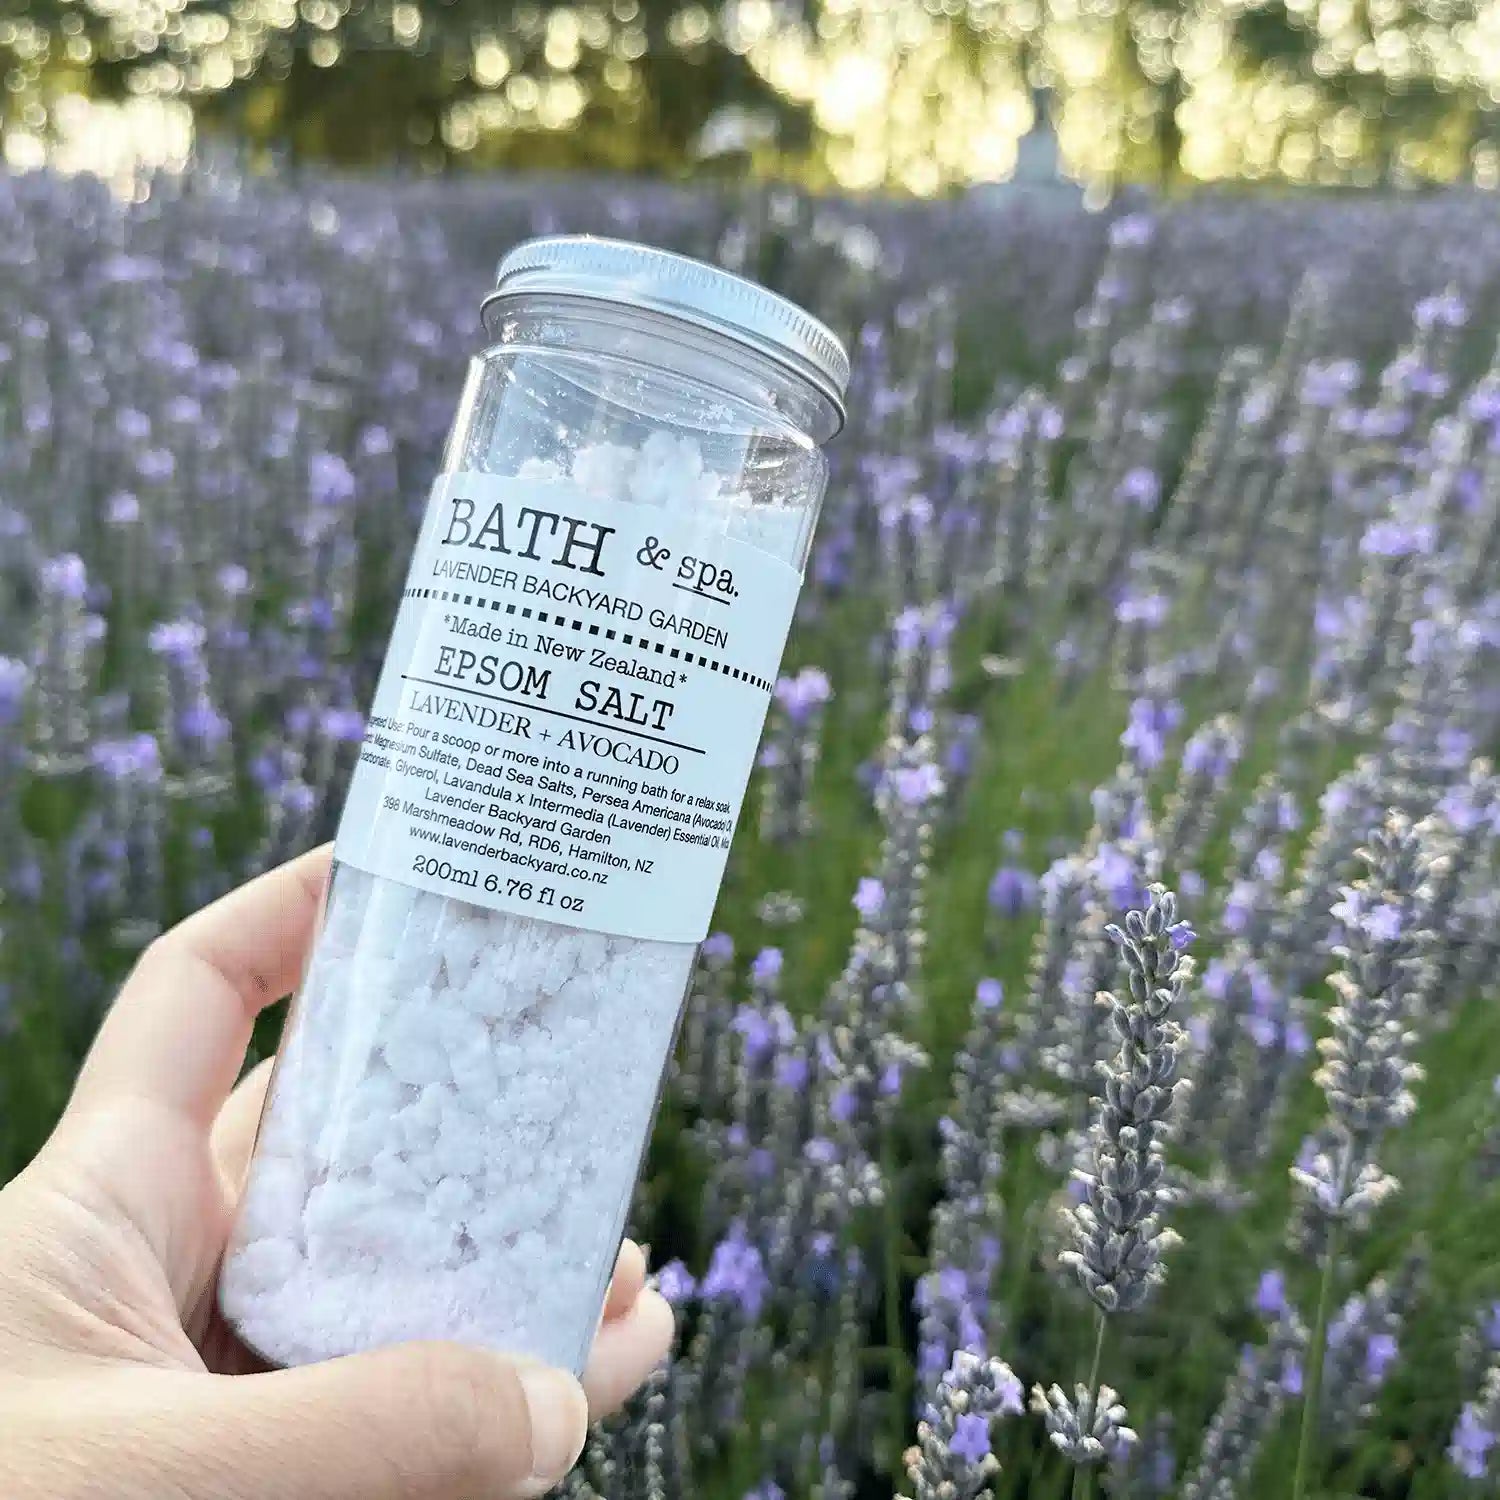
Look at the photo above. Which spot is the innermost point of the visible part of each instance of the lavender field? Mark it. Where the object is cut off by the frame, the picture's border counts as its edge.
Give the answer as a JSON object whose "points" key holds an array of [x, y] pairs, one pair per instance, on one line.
{"points": [[1151, 646]]}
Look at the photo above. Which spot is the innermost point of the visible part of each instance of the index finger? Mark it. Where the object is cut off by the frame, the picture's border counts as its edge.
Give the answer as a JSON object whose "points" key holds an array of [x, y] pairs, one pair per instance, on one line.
{"points": [[178, 1030]]}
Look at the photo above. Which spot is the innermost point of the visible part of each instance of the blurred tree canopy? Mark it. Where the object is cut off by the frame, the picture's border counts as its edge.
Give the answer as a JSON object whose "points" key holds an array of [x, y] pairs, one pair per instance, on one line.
{"points": [[915, 94]]}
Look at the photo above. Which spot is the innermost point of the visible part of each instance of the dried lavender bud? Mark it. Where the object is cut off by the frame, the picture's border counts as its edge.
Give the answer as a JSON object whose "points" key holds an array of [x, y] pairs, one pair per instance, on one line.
{"points": [[1088, 1428], [1117, 1231], [575, 1487], [781, 909], [640, 1453]]}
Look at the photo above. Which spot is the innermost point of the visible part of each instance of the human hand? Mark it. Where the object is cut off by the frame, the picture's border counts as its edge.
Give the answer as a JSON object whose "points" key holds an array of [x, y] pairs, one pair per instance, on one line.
{"points": [[118, 1379]]}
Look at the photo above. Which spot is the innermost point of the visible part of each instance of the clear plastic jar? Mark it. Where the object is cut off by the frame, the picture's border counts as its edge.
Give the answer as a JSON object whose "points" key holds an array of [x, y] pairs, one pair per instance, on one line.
{"points": [[536, 830]]}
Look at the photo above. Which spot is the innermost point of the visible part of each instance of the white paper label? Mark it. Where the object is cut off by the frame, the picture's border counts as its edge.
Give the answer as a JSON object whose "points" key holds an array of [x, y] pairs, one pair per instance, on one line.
{"points": [[569, 708]]}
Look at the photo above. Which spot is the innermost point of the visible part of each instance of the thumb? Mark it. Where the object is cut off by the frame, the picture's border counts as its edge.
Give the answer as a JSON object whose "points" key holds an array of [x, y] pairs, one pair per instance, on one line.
{"points": [[422, 1421]]}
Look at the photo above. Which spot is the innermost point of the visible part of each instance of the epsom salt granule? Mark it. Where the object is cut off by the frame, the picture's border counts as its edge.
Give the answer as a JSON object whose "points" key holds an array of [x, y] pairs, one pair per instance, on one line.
{"points": [[536, 829]]}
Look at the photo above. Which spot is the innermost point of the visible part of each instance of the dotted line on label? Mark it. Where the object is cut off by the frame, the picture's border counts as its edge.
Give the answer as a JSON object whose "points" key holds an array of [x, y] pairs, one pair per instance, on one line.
{"points": [[568, 622]]}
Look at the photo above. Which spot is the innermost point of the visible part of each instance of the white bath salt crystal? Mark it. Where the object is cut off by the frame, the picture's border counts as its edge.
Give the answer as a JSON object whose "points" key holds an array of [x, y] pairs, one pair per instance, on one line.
{"points": [[263, 1265], [449, 1199], [599, 468], [414, 967], [460, 943], [590, 951], [345, 1218], [474, 1070], [281, 1132], [278, 1190], [459, 1148], [411, 1048], [524, 1205], [669, 473], [397, 1175], [542, 470], [416, 1126], [522, 1180], [529, 960], [303, 1080], [379, 1092], [532, 1097], [357, 1132], [531, 1246], [356, 1124], [418, 1239], [510, 1063]]}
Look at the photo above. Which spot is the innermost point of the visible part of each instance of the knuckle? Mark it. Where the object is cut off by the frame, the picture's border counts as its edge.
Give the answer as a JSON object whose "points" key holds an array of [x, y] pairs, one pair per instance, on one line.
{"points": [[157, 952], [462, 1398]]}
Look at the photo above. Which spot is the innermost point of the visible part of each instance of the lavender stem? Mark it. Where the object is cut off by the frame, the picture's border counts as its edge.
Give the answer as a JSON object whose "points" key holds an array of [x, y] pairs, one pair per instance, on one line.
{"points": [[1314, 1386], [1083, 1474], [900, 1393]]}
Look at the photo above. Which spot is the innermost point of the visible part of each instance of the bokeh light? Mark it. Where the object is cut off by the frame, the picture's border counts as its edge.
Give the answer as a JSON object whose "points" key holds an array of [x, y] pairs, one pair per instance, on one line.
{"points": [[918, 96]]}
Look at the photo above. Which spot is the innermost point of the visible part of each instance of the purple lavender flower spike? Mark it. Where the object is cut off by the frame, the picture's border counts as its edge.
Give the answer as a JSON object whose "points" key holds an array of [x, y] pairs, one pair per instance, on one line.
{"points": [[790, 754], [1366, 1076], [1013, 890], [953, 1457], [1471, 1448], [1252, 1403], [675, 1283], [1270, 1297], [736, 1274], [869, 897], [1117, 1232]]}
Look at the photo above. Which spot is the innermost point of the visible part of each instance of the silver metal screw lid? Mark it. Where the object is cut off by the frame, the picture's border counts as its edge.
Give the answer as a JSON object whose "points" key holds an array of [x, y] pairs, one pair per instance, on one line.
{"points": [[633, 275]]}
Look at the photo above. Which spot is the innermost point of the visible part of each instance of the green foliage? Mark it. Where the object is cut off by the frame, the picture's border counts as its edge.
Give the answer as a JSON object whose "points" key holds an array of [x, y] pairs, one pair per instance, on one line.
{"points": [[630, 85]]}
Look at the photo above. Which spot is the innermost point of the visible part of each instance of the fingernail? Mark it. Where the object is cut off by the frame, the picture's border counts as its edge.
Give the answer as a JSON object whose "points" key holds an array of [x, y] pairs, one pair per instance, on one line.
{"points": [[559, 1424]]}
